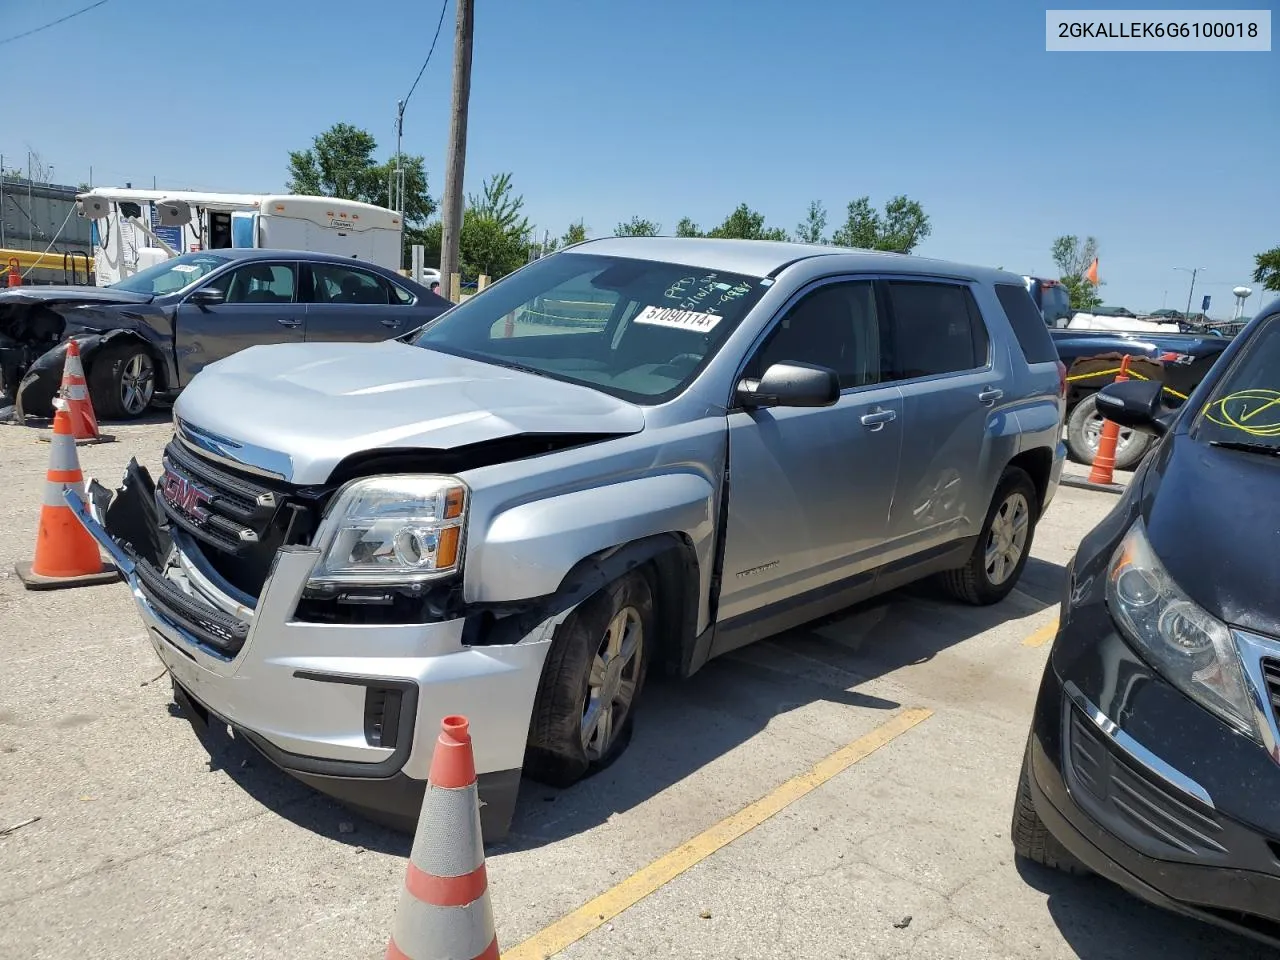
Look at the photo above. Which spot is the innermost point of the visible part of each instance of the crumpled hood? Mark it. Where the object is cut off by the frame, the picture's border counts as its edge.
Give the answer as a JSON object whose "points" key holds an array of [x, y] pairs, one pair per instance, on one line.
{"points": [[318, 403], [1215, 525], [69, 294]]}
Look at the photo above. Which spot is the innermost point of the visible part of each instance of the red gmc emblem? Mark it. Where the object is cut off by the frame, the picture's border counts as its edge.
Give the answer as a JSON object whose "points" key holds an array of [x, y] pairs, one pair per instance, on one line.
{"points": [[184, 495]]}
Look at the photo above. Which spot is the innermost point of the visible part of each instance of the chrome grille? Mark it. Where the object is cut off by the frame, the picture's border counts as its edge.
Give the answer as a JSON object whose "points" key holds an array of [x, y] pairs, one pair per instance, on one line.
{"points": [[237, 519]]}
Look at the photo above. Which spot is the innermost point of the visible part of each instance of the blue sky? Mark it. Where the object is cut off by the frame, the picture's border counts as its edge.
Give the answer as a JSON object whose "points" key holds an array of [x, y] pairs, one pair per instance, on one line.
{"points": [[670, 109]]}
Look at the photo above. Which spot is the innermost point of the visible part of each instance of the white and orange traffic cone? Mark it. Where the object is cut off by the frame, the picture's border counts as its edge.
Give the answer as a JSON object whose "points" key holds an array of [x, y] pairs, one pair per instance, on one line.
{"points": [[75, 391], [444, 911], [66, 555], [1104, 461]]}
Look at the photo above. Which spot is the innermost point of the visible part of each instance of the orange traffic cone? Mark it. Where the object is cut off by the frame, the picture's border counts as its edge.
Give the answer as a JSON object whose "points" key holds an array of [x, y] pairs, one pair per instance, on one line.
{"points": [[1104, 461], [444, 911], [15, 278], [66, 555], [75, 391]]}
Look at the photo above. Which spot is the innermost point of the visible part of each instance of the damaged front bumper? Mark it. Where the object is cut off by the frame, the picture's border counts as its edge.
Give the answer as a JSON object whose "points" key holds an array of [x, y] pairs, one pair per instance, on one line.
{"points": [[352, 710]]}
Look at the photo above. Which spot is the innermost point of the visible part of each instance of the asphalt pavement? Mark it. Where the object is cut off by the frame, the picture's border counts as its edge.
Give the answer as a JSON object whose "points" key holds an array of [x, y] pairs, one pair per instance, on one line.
{"points": [[151, 843]]}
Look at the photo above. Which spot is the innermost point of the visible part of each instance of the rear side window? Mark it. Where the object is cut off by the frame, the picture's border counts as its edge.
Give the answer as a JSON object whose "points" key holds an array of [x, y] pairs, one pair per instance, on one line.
{"points": [[1028, 325], [937, 329]]}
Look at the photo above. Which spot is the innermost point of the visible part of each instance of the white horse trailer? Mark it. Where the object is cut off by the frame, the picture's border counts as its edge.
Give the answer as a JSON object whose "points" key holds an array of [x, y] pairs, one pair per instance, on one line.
{"points": [[134, 229]]}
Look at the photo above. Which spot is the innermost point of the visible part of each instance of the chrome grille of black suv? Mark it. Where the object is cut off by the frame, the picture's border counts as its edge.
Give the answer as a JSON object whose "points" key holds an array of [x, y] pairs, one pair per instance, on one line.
{"points": [[1271, 673], [239, 520]]}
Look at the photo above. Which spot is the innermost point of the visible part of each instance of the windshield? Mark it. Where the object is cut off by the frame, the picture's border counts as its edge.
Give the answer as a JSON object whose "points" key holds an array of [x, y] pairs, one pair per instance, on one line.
{"points": [[170, 276], [640, 330], [1245, 405]]}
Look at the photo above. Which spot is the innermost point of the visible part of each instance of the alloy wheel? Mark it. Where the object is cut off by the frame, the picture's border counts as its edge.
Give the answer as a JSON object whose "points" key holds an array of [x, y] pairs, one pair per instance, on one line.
{"points": [[1008, 538], [137, 384], [611, 687], [1093, 434]]}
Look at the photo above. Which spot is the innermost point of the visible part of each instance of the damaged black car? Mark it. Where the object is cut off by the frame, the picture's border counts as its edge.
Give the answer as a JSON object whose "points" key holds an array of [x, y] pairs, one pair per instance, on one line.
{"points": [[143, 339]]}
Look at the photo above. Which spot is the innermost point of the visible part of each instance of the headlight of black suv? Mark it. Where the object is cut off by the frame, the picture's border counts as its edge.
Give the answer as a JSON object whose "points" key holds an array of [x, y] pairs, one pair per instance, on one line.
{"points": [[1189, 646]]}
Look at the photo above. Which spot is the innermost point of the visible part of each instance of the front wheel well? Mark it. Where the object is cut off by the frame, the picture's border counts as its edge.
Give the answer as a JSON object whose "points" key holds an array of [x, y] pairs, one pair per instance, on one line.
{"points": [[129, 337], [1038, 464]]}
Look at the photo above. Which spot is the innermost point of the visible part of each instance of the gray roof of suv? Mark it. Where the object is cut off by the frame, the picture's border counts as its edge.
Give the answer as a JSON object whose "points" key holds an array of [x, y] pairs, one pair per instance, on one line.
{"points": [[761, 258]]}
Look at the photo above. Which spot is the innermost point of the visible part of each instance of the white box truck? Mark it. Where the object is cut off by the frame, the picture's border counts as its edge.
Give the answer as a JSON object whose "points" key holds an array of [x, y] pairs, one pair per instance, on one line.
{"points": [[134, 229]]}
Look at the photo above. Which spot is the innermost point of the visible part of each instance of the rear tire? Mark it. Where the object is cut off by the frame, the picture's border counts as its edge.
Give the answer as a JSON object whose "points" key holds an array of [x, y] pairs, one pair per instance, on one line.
{"points": [[591, 682], [1031, 838], [1083, 427], [122, 381], [1003, 545]]}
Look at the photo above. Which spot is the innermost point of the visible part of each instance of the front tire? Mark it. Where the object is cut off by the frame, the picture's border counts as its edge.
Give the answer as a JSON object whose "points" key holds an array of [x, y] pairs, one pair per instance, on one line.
{"points": [[1031, 838], [122, 381], [592, 680], [1003, 545]]}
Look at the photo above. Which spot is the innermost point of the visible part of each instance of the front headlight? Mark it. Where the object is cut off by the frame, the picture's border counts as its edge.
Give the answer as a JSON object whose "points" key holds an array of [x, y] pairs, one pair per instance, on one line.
{"points": [[1190, 647], [392, 530]]}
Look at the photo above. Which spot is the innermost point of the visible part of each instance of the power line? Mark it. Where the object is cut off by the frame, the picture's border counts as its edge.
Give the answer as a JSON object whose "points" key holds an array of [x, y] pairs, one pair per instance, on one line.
{"points": [[443, 7], [54, 23]]}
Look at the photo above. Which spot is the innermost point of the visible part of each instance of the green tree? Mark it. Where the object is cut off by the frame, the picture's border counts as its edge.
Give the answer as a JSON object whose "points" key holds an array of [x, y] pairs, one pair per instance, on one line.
{"points": [[576, 233], [637, 227], [486, 247], [904, 225], [340, 163], [499, 202], [1073, 258], [746, 224], [687, 228], [813, 228], [1268, 269], [899, 229]]}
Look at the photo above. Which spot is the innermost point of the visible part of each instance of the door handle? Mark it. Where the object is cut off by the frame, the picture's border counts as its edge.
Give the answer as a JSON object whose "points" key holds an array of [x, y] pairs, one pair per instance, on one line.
{"points": [[990, 395], [390, 321], [876, 419], [288, 322]]}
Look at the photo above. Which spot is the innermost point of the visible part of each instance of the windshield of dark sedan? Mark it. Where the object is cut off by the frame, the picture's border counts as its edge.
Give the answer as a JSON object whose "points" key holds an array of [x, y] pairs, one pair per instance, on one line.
{"points": [[1245, 405], [170, 276], [638, 329]]}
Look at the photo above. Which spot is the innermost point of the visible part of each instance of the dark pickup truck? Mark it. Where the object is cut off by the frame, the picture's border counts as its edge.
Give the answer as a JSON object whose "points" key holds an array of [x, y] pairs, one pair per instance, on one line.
{"points": [[1092, 359]]}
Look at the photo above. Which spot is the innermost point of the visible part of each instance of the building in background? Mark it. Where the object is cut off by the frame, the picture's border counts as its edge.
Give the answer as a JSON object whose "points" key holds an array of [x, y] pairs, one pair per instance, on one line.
{"points": [[35, 217]]}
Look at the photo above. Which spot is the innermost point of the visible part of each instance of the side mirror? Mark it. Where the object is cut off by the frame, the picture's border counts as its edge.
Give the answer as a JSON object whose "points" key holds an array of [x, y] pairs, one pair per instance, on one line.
{"points": [[791, 385], [206, 296], [1135, 404]]}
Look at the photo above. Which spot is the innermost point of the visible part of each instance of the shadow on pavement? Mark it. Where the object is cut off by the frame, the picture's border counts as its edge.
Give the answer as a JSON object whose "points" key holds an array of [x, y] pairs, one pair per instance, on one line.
{"points": [[289, 798], [1101, 921], [682, 726]]}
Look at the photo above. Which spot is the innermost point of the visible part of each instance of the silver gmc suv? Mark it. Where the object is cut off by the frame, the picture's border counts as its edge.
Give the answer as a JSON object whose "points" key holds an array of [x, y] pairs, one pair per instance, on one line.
{"points": [[633, 455]]}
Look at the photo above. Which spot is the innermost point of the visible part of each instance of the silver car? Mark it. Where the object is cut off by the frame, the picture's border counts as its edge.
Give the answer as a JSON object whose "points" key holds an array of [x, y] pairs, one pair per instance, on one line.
{"points": [[634, 455]]}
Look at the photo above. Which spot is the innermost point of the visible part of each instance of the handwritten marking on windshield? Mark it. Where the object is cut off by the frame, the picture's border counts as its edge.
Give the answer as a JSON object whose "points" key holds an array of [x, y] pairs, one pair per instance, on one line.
{"points": [[1242, 409]]}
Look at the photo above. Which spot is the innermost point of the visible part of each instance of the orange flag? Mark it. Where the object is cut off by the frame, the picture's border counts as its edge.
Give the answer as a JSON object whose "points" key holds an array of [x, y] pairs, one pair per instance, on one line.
{"points": [[1092, 273]]}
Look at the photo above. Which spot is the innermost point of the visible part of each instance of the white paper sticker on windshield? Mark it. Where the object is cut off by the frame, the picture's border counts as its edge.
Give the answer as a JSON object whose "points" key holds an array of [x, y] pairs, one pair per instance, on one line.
{"points": [[678, 319], [185, 268]]}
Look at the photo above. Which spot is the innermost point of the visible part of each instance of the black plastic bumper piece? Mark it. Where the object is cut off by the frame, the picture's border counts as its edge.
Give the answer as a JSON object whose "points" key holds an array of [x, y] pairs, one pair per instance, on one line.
{"points": [[1244, 901], [391, 799]]}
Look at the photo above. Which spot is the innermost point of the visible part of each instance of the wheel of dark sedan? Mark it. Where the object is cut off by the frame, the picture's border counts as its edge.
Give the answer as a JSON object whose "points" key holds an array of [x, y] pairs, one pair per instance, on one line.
{"points": [[1003, 545], [122, 381], [594, 673], [1031, 838], [1084, 431]]}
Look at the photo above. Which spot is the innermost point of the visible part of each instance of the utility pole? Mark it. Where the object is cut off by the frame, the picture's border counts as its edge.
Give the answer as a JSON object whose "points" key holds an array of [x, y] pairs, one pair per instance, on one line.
{"points": [[1190, 293], [451, 212]]}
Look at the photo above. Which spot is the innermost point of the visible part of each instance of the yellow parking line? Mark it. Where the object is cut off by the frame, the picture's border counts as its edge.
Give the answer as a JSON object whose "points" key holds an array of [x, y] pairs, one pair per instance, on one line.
{"points": [[1043, 635], [595, 913]]}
